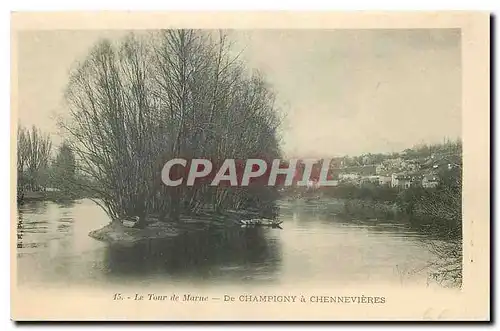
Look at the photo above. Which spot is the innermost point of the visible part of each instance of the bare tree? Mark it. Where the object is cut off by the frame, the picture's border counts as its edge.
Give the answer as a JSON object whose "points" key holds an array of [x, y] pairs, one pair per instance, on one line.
{"points": [[63, 170], [22, 156], [33, 154], [445, 205], [152, 97]]}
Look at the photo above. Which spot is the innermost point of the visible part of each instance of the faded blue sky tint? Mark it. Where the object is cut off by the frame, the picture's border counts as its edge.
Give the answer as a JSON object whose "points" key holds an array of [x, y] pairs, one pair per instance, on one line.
{"points": [[344, 91]]}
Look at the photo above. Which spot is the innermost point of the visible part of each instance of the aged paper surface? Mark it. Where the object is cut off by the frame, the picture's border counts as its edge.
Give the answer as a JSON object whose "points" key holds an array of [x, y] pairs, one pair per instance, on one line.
{"points": [[398, 102]]}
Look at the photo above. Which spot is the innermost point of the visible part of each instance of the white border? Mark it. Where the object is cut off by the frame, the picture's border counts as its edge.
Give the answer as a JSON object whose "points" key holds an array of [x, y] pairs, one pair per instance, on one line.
{"points": [[6, 7]]}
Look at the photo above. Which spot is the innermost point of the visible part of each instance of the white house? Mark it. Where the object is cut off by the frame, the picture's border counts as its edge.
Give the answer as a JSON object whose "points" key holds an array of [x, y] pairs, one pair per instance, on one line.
{"points": [[403, 181], [384, 180]]}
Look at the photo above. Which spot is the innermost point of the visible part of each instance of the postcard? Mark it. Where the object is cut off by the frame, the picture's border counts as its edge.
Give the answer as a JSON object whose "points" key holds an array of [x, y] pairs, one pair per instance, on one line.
{"points": [[250, 166]]}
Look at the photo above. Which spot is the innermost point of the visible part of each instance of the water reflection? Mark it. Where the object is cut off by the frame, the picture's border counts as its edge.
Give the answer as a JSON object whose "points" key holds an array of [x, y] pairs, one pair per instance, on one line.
{"points": [[317, 244], [39, 222], [331, 212], [54, 246], [238, 254]]}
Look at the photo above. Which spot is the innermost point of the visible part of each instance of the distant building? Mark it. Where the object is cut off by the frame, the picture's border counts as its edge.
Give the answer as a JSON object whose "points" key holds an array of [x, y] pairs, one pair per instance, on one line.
{"points": [[430, 181], [384, 180], [394, 180], [370, 179], [402, 181]]}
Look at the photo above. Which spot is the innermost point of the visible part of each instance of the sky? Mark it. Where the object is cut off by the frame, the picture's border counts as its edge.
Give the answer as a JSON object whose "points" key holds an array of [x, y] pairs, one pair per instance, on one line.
{"points": [[343, 92]]}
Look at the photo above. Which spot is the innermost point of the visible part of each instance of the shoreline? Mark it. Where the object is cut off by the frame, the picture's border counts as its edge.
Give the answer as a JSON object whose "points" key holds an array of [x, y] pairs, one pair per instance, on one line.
{"points": [[115, 233]]}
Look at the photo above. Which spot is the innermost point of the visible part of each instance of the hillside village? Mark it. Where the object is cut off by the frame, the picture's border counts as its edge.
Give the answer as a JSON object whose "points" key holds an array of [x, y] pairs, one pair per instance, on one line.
{"points": [[420, 166]]}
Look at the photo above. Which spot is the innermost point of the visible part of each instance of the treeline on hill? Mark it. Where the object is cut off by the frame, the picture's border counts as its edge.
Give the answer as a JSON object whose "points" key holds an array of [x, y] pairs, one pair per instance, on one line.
{"points": [[449, 149], [40, 171], [150, 97]]}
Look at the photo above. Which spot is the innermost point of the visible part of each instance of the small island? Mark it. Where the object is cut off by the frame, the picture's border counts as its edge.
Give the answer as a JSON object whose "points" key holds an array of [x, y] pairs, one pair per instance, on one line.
{"points": [[116, 233]]}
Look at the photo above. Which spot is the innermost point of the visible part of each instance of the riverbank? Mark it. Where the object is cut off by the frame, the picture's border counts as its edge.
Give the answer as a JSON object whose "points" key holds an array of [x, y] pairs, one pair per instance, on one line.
{"points": [[371, 209]]}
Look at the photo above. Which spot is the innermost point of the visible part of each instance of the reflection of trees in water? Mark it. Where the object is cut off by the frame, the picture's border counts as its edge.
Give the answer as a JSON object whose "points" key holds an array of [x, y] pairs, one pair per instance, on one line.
{"points": [[66, 203], [313, 209], [197, 254], [445, 266], [26, 226], [33, 207], [37, 226], [333, 212]]}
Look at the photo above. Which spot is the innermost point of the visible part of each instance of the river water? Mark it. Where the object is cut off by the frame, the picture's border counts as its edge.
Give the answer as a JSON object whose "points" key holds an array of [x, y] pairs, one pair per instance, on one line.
{"points": [[315, 245]]}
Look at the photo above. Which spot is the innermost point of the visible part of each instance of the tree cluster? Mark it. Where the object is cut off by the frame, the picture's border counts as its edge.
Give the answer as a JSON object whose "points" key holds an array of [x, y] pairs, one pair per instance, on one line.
{"points": [[151, 97]]}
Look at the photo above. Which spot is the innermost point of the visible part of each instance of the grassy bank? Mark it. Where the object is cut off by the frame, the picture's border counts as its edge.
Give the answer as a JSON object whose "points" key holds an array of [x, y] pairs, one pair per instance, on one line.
{"points": [[366, 209]]}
